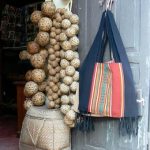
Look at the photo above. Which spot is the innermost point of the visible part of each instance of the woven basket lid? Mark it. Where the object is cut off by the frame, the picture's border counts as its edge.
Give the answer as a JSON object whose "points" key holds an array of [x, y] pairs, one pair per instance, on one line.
{"points": [[44, 113]]}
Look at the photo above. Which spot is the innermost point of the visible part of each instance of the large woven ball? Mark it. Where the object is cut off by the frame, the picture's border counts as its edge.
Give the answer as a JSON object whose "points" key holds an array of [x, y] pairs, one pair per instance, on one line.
{"points": [[75, 62], [67, 14], [27, 104], [42, 86], [65, 108], [37, 61], [38, 99], [28, 75], [64, 88], [23, 55], [74, 19], [76, 76], [33, 47], [42, 38], [76, 27], [36, 16], [70, 32], [64, 63], [38, 75], [48, 8], [70, 70], [30, 88], [68, 80], [74, 41], [66, 23], [62, 37], [74, 86], [69, 55], [66, 45], [65, 99], [45, 24], [71, 115]]}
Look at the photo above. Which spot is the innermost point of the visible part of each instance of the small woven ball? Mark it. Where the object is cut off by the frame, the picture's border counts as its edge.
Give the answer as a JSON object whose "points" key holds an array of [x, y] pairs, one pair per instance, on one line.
{"points": [[52, 34], [38, 75], [57, 37], [69, 55], [68, 121], [56, 47], [57, 54], [54, 63], [45, 24], [76, 55], [62, 37], [58, 68], [42, 86], [74, 86], [51, 104], [57, 101], [33, 47], [70, 32], [71, 115], [72, 98], [76, 76], [58, 31], [65, 108], [62, 54], [55, 88], [27, 104], [48, 8], [38, 99], [51, 51], [64, 63], [66, 23], [36, 16], [62, 73], [53, 41], [43, 38], [54, 96], [52, 72], [74, 19], [72, 125], [55, 80], [76, 27], [70, 70], [23, 55], [75, 62], [74, 41], [44, 53], [59, 18], [62, 11], [57, 106], [65, 99], [28, 75], [30, 88], [37, 61], [66, 45], [68, 80], [52, 57], [67, 14], [64, 88]]}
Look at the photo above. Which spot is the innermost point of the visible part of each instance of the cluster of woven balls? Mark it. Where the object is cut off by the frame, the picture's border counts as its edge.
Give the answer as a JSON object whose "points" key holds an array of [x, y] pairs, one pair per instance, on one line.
{"points": [[55, 47]]}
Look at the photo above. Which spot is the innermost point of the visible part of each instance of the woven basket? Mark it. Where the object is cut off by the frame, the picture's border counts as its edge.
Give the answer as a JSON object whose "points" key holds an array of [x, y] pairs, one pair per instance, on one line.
{"points": [[44, 129]]}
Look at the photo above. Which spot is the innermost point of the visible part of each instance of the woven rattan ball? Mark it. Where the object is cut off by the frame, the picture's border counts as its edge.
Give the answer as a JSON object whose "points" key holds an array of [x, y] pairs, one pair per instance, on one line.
{"points": [[74, 41], [64, 88], [57, 38], [23, 55], [57, 106], [54, 64], [51, 84], [57, 101], [66, 45], [76, 55], [52, 72], [54, 96], [62, 37], [28, 75], [62, 73], [52, 34], [45, 24], [36, 16], [73, 86], [75, 62], [33, 47], [67, 14], [56, 47], [58, 68], [38, 75], [55, 88], [62, 11], [76, 76], [74, 19], [50, 97], [72, 99], [65, 99], [58, 31], [52, 57], [76, 27], [68, 121], [51, 51], [71, 115], [44, 53], [55, 80], [43, 38], [42, 86], [37, 61], [51, 104], [70, 70], [68, 80], [48, 8], [53, 41], [53, 29], [57, 54], [59, 18], [62, 54], [38, 99], [49, 92], [57, 75], [65, 108], [27, 104], [30, 88], [69, 55], [66, 23], [64, 63], [49, 67], [70, 32]]}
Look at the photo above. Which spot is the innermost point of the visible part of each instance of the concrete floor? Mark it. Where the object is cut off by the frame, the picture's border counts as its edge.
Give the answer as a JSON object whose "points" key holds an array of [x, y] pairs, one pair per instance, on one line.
{"points": [[8, 136]]}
